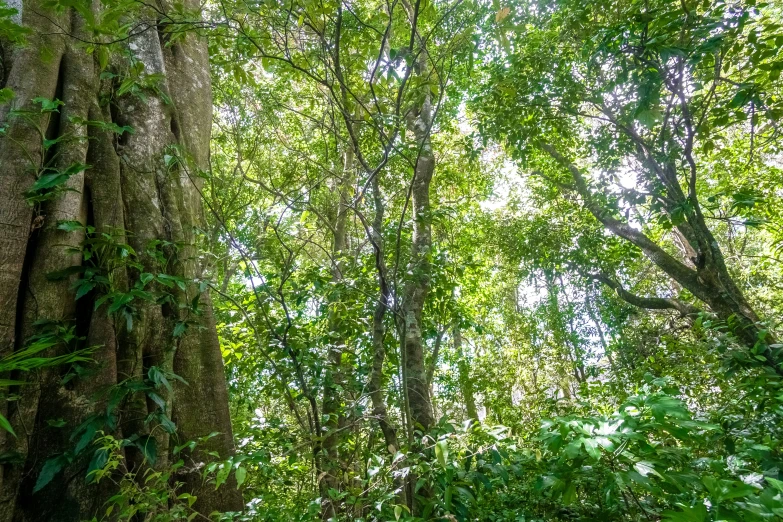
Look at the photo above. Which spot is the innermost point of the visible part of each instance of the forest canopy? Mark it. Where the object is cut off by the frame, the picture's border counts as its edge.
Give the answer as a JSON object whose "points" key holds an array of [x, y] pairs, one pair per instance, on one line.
{"points": [[391, 260]]}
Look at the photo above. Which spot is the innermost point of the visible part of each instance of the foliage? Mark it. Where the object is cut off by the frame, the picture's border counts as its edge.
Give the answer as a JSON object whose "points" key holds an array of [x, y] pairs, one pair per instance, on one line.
{"points": [[596, 259], [612, 412], [149, 493], [37, 354]]}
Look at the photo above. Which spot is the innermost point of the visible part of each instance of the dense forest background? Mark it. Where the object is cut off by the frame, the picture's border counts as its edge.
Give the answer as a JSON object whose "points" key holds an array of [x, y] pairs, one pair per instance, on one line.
{"points": [[391, 260]]}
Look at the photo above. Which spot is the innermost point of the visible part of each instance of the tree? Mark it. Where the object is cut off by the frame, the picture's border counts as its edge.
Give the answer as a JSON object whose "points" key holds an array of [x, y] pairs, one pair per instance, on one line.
{"points": [[646, 92], [105, 133]]}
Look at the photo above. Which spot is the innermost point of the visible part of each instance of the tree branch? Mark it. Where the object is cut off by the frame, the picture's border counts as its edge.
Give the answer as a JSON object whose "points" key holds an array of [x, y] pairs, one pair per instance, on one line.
{"points": [[678, 271], [650, 303]]}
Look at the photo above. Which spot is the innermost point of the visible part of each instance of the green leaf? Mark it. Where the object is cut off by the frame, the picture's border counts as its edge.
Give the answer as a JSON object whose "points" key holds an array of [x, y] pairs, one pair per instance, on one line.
{"points": [[50, 469], [99, 460], [158, 378], [179, 329], [6, 95], [442, 452], [648, 118], [645, 468], [591, 446], [222, 474], [241, 475], [157, 399], [741, 98], [166, 423], [84, 288], [4, 424], [48, 105], [569, 495], [59, 275], [69, 226], [44, 186], [149, 448], [777, 484], [87, 429], [190, 498], [190, 445], [697, 513], [102, 53]]}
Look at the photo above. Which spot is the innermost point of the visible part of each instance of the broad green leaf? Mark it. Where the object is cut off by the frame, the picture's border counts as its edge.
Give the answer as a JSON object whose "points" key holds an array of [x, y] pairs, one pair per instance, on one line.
{"points": [[241, 475]]}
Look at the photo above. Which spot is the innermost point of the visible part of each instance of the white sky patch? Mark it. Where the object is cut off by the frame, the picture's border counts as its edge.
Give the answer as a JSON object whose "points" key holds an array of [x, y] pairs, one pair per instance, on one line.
{"points": [[501, 188], [628, 179], [15, 4]]}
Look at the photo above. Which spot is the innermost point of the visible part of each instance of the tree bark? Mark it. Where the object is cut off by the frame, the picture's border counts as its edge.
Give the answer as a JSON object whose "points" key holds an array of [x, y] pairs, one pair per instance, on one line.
{"points": [[419, 269], [414, 372], [129, 192], [375, 387]]}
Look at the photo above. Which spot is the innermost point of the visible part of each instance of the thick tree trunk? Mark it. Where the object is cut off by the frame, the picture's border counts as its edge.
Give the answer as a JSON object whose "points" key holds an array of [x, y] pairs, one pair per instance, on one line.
{"points": [[130, 192]]}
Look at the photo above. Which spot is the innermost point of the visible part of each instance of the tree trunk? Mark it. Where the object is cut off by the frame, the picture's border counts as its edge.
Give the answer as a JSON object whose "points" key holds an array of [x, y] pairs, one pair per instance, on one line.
{"points": [[465, 380], [130, 192], [374, 387], [334, 378], [414, 372], [419, 266]]}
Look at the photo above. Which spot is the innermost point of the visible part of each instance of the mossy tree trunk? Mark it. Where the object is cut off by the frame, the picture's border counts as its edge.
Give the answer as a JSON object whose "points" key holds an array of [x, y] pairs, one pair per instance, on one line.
{"points": [[335, 370], [133, 191]]}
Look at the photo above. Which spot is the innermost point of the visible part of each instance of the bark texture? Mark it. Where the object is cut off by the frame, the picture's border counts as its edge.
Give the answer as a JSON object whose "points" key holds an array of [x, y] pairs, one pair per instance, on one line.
{"points": [[419, 119], [420, 268], [375, 383], [131, 192], [418, 401]]}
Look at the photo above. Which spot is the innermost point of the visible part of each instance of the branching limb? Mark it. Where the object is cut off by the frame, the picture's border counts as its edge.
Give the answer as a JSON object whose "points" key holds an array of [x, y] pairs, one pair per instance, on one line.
{"points": [[650, 303], [678, 271]]}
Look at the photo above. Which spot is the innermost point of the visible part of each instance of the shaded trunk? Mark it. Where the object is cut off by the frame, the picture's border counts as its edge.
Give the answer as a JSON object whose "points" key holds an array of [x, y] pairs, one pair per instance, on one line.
{"points": [[130, 193], [332, 410], [379, 410], [375, 386], [432, 365], [375, 382], [600, 331], [465, 380], [414, 372]]}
